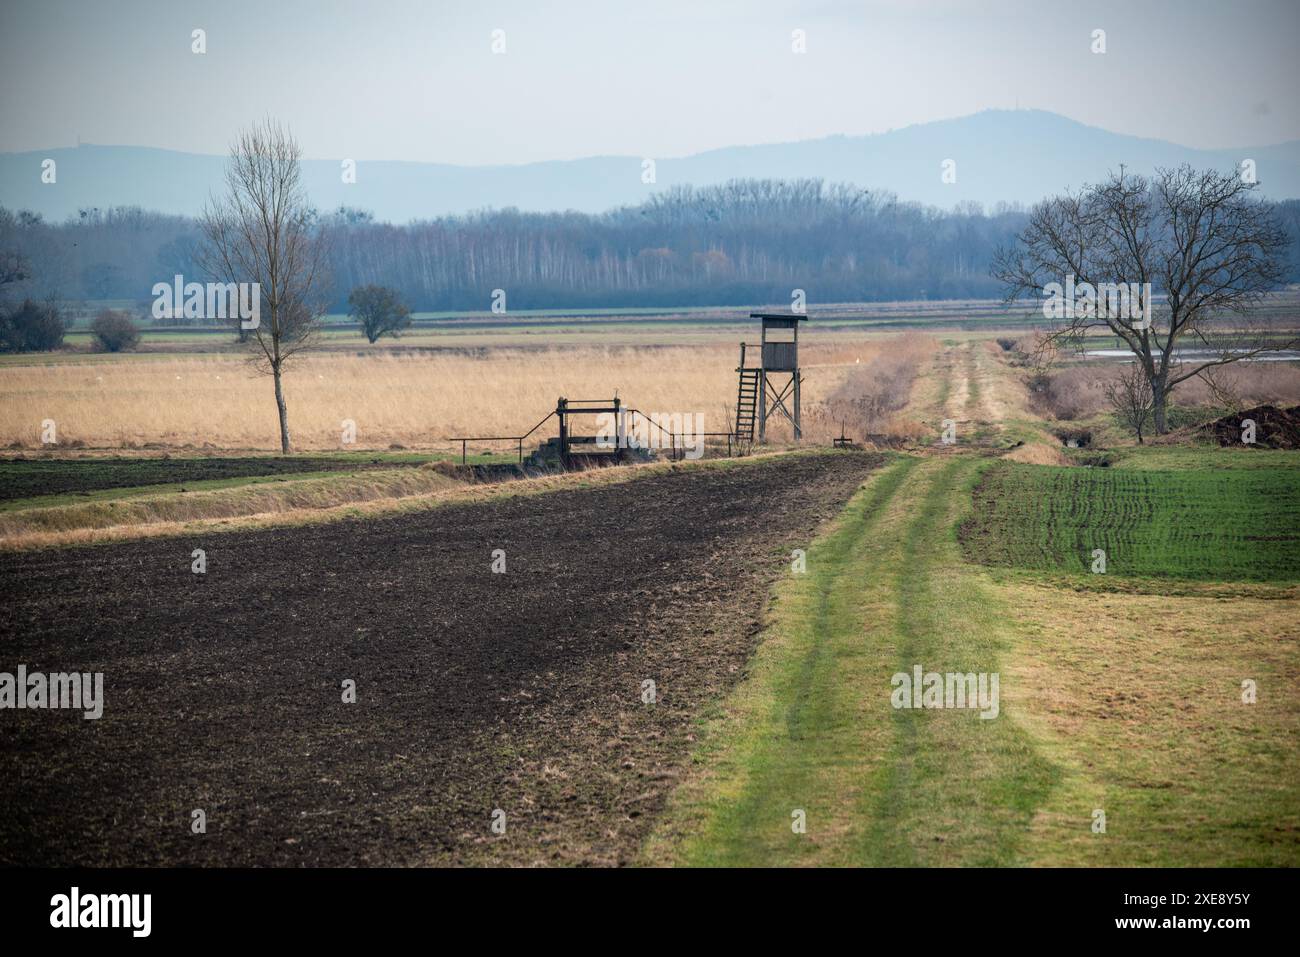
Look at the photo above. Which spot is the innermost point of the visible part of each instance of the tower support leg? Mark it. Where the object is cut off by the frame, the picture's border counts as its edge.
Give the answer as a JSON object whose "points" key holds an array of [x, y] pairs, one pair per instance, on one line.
{"points": [[798, 422]]}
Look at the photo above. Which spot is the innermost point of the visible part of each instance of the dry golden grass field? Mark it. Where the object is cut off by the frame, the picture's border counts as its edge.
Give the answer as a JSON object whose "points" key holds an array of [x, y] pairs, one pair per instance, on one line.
{"points": [[418, 399]]}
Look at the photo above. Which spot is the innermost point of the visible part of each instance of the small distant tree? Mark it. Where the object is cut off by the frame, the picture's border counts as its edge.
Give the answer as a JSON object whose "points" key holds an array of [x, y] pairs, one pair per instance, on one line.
{"points": [[379, 311], [114, 331], [32, 327], [14, 268], [351, 216], [1131, 398]]}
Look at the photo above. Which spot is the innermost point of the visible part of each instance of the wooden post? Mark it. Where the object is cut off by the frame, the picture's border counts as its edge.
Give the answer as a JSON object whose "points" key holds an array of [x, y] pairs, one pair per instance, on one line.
{"points": [[618, 430], [561, 412], [798, 428], [762, 386]]}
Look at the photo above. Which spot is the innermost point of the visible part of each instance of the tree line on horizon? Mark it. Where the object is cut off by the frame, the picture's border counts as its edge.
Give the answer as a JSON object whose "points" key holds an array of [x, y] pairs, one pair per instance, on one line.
{"points": [[742, 242]]}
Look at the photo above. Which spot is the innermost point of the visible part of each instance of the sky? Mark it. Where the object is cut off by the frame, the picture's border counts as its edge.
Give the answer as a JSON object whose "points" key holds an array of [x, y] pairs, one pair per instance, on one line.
{"points": [[419, 80]]}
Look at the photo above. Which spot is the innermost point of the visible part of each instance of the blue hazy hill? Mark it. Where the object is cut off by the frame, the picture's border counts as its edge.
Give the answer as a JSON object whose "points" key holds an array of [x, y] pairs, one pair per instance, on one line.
{"points": [[1010, 155]]}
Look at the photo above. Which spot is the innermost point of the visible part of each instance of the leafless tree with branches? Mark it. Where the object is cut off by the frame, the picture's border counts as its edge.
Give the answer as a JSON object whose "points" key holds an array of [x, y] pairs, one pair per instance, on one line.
{"points": [[262, 231], [1130, 397], [1200, 238], [1222, 389]]}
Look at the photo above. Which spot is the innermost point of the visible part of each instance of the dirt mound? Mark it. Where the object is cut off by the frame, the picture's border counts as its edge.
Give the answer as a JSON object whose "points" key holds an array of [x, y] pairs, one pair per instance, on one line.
{"points": [[1036, 453], [1274, 428]]}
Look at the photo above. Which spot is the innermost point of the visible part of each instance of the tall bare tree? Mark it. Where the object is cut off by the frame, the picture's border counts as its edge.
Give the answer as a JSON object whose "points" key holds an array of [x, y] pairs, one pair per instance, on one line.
{"points": [[1200, 238], [263, 231]]}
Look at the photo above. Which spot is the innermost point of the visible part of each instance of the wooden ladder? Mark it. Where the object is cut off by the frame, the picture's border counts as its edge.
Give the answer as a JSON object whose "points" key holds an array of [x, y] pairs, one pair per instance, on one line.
{"points": [[746, 402]]}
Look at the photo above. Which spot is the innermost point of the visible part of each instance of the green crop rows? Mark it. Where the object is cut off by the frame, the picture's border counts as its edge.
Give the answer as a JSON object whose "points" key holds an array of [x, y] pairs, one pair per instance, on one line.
{"points": [[1224, 525]]}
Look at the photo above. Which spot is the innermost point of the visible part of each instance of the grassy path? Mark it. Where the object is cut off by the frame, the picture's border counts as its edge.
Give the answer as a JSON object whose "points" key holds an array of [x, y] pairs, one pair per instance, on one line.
{"points": [[813, 729]]}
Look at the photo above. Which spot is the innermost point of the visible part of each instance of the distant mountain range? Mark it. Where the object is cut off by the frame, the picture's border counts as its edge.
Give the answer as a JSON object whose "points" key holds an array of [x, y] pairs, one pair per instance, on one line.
{"points": [[1011, 155]]}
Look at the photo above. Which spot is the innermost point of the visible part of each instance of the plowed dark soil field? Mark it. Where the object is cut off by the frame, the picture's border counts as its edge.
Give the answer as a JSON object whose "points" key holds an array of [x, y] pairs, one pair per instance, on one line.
{"points": [[476, 692]]}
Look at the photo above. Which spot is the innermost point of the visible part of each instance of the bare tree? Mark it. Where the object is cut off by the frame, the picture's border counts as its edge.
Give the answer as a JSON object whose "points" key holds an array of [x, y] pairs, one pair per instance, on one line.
{"points": [[1200, 238], [1222, 389], [1130, 397], [263, 231]]}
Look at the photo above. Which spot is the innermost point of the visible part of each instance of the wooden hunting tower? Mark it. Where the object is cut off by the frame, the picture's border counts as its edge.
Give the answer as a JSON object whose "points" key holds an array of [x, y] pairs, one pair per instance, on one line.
{"points": [[765, 388]]}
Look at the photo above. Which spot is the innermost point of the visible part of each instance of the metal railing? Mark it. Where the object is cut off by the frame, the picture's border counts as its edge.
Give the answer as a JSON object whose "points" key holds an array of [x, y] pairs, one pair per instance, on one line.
{"points": [[464, 440], [677, 450], [673, 437]]}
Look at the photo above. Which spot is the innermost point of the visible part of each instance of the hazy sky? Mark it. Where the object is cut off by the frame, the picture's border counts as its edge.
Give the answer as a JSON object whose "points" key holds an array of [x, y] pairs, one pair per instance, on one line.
{"points": [[417, 79]]}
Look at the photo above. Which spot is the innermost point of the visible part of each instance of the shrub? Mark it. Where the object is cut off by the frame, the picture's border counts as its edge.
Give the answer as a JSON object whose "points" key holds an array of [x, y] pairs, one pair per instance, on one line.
{"points": [[114, 331], [32, 327], [1075, 392], [870, 394], [379, 311]]}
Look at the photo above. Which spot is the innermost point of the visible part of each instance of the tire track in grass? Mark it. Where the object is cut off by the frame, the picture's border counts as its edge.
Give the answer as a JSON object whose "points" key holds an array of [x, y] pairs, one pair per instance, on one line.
{"points": [[792, 736], [885, 840], [956, 789]]}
